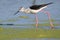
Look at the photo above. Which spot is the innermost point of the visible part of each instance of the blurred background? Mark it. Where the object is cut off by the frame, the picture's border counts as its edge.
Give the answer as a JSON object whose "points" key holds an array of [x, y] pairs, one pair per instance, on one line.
{"points": [[12, 26]]}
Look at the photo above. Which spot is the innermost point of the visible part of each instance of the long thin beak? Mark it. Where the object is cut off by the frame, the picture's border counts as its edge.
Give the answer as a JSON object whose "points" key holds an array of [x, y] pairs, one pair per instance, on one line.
{"points": [[16, 12]]}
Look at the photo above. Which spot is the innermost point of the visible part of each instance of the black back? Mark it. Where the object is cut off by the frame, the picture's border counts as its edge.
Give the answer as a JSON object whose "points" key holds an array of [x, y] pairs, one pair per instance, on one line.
{"points": [[36, 7]]}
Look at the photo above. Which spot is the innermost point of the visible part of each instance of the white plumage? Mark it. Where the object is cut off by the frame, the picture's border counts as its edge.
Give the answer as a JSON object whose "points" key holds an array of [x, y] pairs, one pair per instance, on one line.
{"points": [[28, 10]]}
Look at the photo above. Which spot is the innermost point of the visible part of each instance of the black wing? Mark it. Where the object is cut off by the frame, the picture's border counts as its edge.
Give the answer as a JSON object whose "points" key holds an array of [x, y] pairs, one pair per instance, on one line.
{"points": [[36, 7]]}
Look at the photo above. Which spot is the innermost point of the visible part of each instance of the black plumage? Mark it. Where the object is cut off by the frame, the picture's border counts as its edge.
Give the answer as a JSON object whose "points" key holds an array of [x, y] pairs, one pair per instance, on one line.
{"points": [[36, 7]]}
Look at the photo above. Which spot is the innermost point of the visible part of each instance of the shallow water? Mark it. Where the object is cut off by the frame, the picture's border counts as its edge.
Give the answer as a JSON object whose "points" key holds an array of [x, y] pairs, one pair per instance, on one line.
{"points": [[29, 26]]}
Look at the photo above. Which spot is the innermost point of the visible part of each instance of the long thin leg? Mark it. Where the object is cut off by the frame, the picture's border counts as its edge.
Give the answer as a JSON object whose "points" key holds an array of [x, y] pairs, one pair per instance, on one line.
{"points": [[52, 26], [36, 22]]}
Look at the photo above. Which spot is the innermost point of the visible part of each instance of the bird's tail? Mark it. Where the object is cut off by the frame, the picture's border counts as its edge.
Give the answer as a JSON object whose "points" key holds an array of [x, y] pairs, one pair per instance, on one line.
{"points": [[46, 4], [49, 3]]}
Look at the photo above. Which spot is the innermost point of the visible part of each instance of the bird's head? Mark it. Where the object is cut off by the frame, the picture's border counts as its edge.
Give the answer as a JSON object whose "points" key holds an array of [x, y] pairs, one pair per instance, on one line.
{"points": [[21, 9]]}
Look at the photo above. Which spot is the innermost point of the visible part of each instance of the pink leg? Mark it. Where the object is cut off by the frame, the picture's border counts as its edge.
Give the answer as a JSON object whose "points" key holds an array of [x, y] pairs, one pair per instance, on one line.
{"points": [[36, 22], [52, 26]]}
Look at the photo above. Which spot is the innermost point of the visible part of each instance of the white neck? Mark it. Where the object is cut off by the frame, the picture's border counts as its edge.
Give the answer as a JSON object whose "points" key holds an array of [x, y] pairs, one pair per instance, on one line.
{"points": [[25, 10]]}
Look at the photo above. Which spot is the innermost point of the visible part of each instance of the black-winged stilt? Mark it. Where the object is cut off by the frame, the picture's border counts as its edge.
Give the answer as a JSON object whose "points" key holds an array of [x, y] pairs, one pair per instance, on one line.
{"points": [[35, 9]]}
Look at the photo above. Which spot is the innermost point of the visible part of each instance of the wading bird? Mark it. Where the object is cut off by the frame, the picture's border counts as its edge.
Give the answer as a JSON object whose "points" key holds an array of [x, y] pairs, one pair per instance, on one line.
{"points": [[34, 9]]}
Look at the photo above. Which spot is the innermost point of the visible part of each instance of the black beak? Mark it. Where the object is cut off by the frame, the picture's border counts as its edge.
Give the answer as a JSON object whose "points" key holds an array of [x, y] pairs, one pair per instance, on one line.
{"points": [[16, 12]]}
